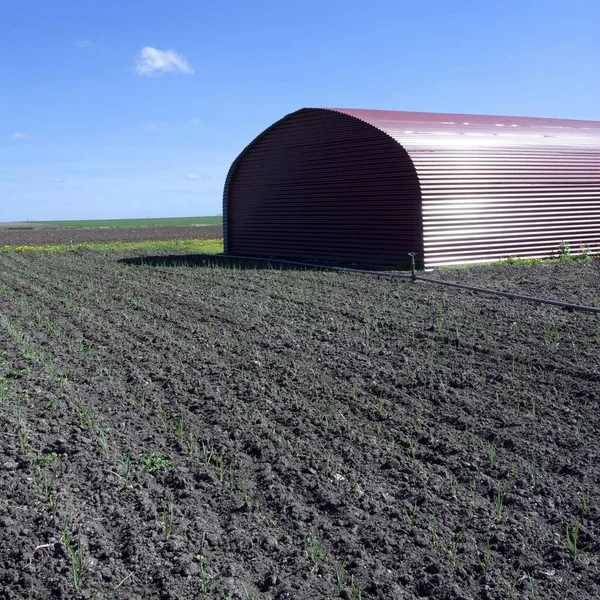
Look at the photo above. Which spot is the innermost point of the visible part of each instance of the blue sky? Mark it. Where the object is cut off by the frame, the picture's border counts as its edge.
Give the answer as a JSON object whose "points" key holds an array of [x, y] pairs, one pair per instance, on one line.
{"points": [[137, 108]]}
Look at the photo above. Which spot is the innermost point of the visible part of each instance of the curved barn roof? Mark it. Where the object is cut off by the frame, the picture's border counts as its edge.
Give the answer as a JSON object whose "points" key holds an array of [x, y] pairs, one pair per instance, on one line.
{"points": [[489, 186], [485, 129]]}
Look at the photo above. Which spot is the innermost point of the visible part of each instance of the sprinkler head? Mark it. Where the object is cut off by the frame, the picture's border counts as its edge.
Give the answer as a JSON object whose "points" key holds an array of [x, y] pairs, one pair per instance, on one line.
{"points": [[412, 265]]}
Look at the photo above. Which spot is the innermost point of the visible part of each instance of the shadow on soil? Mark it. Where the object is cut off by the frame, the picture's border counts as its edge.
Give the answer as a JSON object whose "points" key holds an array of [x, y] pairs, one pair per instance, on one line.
{"points": [[221, 260]]}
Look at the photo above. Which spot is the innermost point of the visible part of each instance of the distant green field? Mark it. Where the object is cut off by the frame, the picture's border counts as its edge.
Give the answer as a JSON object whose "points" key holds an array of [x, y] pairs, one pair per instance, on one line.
{"points": [[164, 222]]}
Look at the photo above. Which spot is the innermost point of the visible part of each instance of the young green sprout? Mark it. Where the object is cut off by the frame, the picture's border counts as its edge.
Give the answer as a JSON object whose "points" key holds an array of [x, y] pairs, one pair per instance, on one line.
{"points": [[585, 500], [499, 504], [314, 550], [125, 475], [483, 557], [511, 586], [453, 485], [452, 549], [167, 516], [76, 554], [572, 537], [433, 529], [355, 589], [181, 429], [102, 439], [340, 576], [473, 488], [410, 514]]}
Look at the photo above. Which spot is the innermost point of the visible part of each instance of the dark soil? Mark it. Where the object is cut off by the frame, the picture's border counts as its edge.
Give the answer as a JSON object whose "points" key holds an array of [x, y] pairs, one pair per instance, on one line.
{"points": [[22, 225], [40, 237], [295, 434]]}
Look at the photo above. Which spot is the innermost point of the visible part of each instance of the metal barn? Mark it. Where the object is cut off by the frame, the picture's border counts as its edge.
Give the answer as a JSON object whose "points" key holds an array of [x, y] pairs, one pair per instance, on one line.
{"points": [[370, 186]]}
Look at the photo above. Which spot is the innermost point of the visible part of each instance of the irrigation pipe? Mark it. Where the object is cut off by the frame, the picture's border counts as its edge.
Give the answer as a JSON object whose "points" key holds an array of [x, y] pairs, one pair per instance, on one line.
{"points": [[414, 277], [581, 307]]}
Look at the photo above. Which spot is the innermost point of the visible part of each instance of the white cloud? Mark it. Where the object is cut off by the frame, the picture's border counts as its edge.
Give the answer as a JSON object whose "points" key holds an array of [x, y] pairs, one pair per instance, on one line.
{"points": [[150, 60], [83, 43], [192, 177], [195, 122], [19, 135]]}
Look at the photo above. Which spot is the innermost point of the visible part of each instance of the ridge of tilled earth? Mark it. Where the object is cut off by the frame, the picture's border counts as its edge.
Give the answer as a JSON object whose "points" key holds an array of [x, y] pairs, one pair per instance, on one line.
{"points": [[330, 435]]}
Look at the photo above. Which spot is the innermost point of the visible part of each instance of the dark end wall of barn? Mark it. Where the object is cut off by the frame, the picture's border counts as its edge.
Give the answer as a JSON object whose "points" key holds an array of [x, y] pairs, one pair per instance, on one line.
{"points": [[327, 186]]}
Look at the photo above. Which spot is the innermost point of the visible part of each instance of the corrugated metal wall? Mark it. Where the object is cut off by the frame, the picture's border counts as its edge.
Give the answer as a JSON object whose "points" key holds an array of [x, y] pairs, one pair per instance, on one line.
{"points": [[321, 185], [325, 183], [494, 187]]}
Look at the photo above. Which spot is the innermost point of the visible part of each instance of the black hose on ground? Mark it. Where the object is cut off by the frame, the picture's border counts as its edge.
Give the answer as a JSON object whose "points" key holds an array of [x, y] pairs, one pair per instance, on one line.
{"points": [[415, 278], [566, 305]]}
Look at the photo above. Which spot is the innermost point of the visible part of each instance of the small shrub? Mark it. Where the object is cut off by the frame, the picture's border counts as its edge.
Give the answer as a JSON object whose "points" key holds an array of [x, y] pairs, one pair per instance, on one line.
{"points": [[564, 250], [585, 252], [154, 462], [511, 260]]}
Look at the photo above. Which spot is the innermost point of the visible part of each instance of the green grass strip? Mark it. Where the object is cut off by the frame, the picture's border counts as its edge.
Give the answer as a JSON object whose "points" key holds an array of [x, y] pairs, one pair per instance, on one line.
{"points": [[203, 246], [513, 261]]}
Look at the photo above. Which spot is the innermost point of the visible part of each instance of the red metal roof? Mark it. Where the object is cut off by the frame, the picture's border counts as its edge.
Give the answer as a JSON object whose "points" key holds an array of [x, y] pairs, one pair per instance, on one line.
{"points": [[507, 128]]}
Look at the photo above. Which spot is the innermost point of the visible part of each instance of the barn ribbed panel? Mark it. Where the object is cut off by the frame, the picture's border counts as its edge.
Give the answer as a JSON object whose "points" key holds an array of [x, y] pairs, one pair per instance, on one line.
{"points": [[494, 187], [320, 185], [371, 186]]}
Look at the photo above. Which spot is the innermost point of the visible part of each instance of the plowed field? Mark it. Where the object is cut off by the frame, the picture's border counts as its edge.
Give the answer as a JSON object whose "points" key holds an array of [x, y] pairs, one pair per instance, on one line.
{"points": [[172, 431], [97, 235]]}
